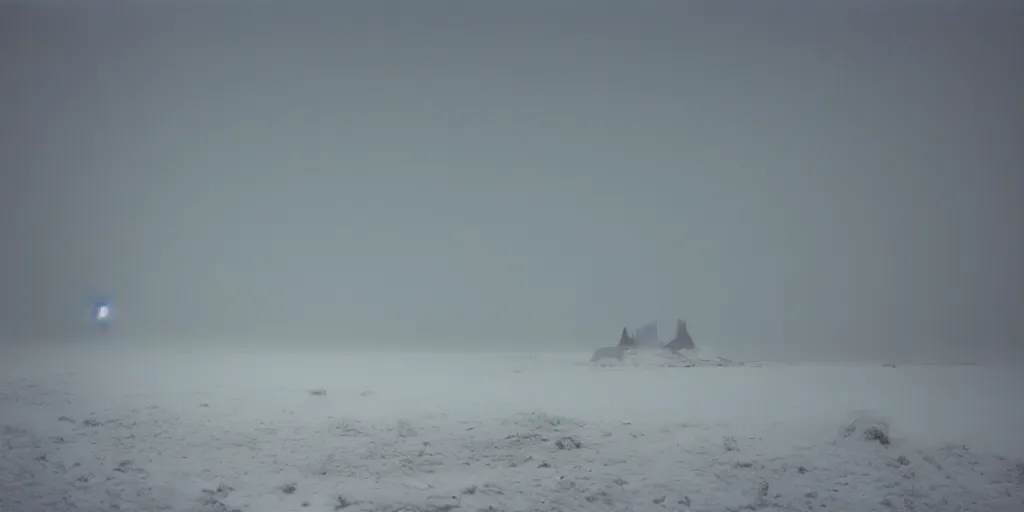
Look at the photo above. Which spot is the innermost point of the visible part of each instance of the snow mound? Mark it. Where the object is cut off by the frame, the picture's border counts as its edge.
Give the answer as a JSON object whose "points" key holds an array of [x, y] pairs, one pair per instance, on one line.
{"points": [[659, 358], [866, 427]]}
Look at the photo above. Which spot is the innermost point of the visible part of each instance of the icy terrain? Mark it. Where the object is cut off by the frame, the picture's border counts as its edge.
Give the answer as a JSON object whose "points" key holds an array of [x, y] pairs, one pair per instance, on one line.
{"points": [[92, 427], [653, 357]]}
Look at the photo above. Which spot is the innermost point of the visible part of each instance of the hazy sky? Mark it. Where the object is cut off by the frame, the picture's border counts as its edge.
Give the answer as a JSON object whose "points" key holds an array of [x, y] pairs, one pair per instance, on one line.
{"points": [[799, 177]]}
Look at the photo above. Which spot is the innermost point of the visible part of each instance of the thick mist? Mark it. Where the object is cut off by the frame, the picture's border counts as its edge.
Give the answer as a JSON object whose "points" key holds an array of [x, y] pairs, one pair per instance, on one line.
{"points": [[799, 180]]}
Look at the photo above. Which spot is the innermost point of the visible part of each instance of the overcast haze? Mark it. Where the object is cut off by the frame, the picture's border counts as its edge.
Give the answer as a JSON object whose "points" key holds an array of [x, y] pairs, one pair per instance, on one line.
{"points": [[841, 181]]}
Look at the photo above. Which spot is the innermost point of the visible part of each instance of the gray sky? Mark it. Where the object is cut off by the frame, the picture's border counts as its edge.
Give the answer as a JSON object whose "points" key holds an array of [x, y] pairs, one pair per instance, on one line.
{"points": [[828, 178]]}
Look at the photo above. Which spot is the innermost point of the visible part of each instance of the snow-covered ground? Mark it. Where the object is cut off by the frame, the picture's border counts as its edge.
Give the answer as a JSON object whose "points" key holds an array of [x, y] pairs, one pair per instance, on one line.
{"points": [[186, 428], [654, 357]]}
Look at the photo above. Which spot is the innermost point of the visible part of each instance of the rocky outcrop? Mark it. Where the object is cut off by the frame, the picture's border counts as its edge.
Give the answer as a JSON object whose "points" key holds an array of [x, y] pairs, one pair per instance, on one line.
{"points": [[647, 336], [629, 344], [682, 341], [625, 340], [681, 352]]}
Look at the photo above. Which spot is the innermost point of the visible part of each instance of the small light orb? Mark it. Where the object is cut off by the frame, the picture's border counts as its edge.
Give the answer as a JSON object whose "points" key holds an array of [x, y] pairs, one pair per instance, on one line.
{"points": [[102, 313]]}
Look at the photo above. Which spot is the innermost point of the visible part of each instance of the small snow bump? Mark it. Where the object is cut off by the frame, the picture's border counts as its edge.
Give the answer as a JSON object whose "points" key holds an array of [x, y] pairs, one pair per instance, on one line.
{"points": [[730, 444], [568, 443], [342, 502]]}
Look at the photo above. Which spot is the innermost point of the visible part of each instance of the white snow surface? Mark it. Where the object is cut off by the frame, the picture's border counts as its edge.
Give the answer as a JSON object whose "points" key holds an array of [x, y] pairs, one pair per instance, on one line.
{"points": [[100, 427], [654, 357]]}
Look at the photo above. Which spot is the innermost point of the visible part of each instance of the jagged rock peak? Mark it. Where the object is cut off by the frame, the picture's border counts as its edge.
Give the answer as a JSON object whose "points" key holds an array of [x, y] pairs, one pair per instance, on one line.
{"points": [[682, 339], [625, 340]]}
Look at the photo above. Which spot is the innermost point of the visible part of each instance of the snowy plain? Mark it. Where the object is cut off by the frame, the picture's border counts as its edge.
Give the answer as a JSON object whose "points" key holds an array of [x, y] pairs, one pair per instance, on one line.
{"points": [[99, 426]]}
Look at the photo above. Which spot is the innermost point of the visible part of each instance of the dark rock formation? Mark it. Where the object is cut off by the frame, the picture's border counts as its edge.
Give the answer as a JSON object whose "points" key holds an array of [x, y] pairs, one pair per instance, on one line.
{"points": [[647, 336], [625, 340], [682, 340]]}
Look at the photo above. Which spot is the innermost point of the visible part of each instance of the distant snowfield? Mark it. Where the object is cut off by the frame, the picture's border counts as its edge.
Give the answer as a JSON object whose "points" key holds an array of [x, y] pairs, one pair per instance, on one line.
{"points": [[94, 427]]}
